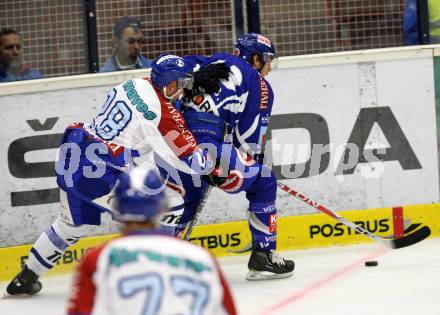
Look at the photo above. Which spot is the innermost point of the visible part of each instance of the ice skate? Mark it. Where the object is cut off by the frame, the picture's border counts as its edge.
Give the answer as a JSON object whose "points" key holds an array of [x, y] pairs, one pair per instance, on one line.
{"points": [[26, 282], [265, 265]]}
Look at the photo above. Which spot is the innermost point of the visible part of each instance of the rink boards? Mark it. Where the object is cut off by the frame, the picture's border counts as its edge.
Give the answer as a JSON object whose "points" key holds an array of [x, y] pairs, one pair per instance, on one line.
{"points": [[231, 238], [386, 102], [381, 101]]}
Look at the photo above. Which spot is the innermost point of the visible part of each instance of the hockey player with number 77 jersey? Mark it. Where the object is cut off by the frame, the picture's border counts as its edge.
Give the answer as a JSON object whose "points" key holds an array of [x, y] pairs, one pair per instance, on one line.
{"points": [[139, 117], [144, 271]]}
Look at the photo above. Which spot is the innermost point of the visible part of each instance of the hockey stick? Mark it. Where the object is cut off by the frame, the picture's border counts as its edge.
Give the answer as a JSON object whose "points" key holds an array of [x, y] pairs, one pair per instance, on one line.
{"points": [[199, 209], [407, 240]]}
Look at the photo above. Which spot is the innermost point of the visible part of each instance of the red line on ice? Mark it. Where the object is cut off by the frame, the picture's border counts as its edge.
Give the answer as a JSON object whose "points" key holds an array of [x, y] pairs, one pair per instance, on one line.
{"points": [[322, 282]]}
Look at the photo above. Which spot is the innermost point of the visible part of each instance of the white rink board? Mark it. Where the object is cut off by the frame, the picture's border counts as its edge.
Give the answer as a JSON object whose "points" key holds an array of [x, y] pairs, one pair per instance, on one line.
{"points": [[338, 93], [335, 92]]}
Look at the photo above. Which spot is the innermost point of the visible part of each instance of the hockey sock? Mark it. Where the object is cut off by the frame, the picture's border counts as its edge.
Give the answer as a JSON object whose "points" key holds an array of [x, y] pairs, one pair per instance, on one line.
{"points": [[262, 219], [51, 245]]}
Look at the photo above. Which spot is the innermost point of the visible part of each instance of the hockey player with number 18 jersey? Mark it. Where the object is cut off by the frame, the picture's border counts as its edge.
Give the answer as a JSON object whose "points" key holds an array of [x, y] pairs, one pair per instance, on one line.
{"points": [[138, 118]]}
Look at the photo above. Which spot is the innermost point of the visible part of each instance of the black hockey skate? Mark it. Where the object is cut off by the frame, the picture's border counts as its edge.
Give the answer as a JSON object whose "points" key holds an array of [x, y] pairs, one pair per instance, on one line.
{"points": [[268, 265], [26, 282]]}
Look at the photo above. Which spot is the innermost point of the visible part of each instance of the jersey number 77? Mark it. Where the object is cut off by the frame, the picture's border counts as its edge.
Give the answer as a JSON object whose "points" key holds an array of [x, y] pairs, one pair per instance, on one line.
{"points": [[153, 285]]}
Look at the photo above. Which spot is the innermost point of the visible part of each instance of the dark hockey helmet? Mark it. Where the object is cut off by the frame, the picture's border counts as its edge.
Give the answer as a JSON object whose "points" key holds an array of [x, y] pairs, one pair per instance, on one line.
{"points": [[167, 68], [140, 195], [252, 43]]}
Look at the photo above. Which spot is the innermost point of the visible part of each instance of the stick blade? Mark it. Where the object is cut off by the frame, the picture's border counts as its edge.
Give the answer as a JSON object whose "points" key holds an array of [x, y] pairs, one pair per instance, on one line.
{"points": [[413, 238], [245, 249]]}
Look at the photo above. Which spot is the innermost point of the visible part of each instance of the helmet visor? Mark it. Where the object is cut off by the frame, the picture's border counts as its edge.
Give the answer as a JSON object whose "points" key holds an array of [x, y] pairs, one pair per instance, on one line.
{"points": [[270, 58], [185, 83]]}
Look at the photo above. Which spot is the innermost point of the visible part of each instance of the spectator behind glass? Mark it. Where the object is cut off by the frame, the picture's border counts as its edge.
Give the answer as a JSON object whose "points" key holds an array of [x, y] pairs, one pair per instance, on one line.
{"points": [[127, 42], [411, 22], [12, 67]]}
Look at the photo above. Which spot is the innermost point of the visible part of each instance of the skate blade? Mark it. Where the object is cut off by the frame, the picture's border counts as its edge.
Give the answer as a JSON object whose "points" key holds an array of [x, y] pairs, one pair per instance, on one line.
{"points": [[254, 275]]}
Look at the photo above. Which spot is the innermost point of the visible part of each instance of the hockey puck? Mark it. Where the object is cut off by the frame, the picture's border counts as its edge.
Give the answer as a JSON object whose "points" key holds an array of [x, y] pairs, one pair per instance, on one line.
{"points": [[371, 263]]}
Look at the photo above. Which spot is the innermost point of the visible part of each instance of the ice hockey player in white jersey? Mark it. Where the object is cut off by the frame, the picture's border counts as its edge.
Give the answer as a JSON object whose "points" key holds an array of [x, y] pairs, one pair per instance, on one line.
{"points": [[138, 118], [145, 271]]}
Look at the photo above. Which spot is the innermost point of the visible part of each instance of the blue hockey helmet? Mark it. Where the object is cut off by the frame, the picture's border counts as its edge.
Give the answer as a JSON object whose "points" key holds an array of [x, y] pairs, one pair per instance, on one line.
{"points": [[167, 68], [140, 195], [252, 43]]}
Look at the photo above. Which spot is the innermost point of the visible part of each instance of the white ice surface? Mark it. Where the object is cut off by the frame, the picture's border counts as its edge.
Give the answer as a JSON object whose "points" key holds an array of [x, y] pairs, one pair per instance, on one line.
{"points": [[326, 281]]}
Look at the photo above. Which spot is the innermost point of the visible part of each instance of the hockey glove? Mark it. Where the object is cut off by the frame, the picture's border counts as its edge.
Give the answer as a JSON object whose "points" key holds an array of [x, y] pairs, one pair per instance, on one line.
{"points": [[217, 177], [259, 157], [206, 80]]}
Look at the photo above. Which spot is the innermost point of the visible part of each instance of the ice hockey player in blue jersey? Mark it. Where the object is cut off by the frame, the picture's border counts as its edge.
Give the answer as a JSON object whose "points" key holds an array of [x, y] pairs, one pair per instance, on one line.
{"points": [[235, 121]]}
